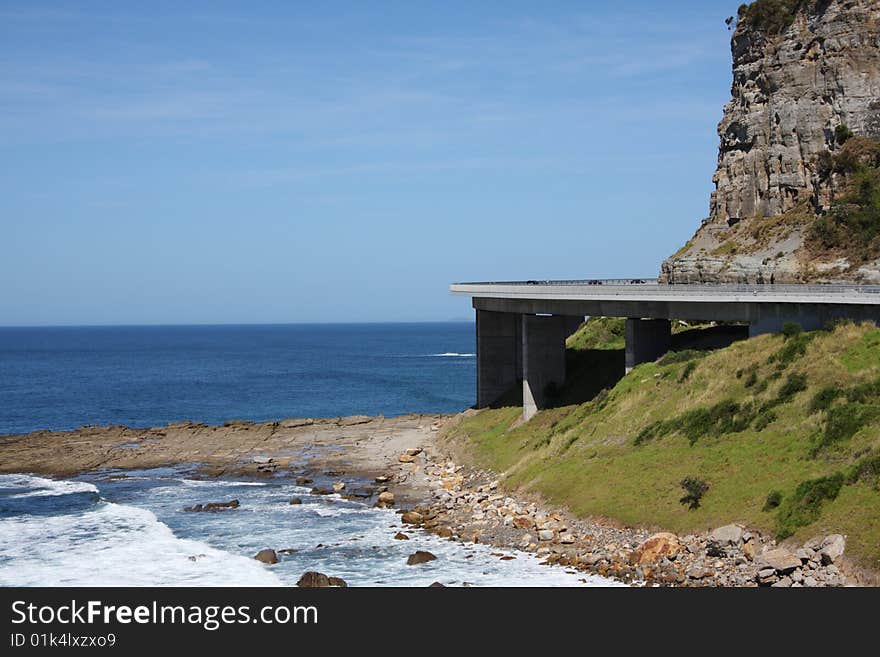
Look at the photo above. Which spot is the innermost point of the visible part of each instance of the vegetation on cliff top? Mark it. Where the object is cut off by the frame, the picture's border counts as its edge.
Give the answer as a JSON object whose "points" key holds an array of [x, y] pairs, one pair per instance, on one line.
{"points": [[783, 429], [773, 16]]}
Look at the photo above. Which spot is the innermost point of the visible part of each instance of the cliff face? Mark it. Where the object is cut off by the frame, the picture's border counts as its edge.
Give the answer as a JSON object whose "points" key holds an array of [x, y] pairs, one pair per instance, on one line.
{"points": [[797, 95]]}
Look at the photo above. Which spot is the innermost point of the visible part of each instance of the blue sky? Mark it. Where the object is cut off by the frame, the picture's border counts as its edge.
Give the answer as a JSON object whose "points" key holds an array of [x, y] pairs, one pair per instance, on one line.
{"points": [[299, 161]]}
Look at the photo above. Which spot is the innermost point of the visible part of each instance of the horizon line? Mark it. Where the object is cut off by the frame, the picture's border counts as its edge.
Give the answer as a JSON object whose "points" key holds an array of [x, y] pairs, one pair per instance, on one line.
{"points": [[233, 324]]}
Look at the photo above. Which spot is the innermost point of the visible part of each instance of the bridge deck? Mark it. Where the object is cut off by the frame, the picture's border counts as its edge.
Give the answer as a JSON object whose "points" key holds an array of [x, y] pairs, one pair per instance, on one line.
{"points": [[649, 290]]}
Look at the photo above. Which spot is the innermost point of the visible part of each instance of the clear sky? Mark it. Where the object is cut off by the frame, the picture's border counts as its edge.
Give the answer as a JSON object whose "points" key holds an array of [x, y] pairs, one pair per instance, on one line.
{"points": [[231, 162]]}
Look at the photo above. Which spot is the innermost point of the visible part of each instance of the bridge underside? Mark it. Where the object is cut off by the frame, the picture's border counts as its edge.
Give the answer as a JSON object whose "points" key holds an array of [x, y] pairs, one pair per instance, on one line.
{"points": [[522, 341]]}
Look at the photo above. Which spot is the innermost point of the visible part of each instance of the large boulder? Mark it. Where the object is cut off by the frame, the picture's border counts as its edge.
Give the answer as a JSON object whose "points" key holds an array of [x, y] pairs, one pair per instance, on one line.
{"points": [[386, 499], [412, 518], [727, 535], [315, 580], [420, 556], [832, 548], [662, 544], [780, 560], [266, 556]]}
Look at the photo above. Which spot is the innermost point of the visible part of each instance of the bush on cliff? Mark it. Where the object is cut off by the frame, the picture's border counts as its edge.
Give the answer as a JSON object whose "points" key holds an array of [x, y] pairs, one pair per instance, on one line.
{"points": [[772, 16]]}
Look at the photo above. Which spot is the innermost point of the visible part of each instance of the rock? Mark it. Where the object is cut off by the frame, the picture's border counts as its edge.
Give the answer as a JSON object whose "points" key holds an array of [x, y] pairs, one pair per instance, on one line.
{"points": [[303, 481], [780, 559], [436, 585], [406, 458], [213, 507], [766, 576], [413, 452], [657, 546], [320, 490], [266, 556], [546, 535], [832, 548], [748, 549], [412, 518], [313, 580], [810, 582], [789, 94], [386, 497], [337, 581], [296, 500], [727, 535], [444, 532], [400, 536], [699, 571], [782, 583], [338, 486], [523, 522], [420, 556], [566, 538], [382, 479], [262, 460]]}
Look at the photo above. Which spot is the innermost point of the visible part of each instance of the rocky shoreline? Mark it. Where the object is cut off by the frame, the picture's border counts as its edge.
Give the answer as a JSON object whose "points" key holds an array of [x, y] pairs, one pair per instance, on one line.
{"points": [[400, 463], [468, 505]]}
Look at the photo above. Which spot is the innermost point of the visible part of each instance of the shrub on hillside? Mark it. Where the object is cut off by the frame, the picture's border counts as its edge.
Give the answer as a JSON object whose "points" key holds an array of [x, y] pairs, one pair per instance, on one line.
{"points": [[794, 347], [823, 399], [774, 499], [805, 505], [694, 489], [843, 422], [791, 329]]}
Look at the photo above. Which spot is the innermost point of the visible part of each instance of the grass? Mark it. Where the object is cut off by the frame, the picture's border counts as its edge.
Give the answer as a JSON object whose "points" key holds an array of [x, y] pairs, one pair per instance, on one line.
{"points": [[599, 333], [584, 455]]}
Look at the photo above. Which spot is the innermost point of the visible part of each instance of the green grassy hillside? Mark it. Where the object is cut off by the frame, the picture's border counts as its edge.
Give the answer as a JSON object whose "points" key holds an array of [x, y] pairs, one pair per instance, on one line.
{"points": [[784, 430]]}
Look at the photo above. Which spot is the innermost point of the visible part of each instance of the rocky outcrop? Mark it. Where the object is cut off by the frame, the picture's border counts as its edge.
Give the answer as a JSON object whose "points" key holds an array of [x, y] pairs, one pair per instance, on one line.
{"points": [[267, 556], [315, 580], [419, 556], [797, 95], [213, 507]]}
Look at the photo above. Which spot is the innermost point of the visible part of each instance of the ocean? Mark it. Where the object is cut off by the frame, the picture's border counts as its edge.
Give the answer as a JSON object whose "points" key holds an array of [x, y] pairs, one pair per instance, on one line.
{"points": [[144, 376], [103, 530], [111, 528]]}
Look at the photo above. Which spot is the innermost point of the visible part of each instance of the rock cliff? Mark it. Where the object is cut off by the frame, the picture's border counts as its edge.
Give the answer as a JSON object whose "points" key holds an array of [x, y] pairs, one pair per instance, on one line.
{"points": [[797, 189]]}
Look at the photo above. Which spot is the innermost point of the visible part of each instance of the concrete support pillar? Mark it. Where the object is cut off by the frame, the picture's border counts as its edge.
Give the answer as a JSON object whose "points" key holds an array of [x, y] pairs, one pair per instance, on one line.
{"points": [[646, 340], [543, 358], [499, 355]]}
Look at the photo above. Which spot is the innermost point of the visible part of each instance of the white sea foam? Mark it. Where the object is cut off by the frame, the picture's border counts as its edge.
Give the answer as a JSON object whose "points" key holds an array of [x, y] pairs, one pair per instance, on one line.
{"points": [[453, 354], [124, 544], [112, 545], [42, 487]]}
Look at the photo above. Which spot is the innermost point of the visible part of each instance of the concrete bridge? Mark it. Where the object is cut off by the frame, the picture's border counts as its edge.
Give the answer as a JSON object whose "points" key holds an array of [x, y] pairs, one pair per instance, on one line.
{"points": [[522, 325]]}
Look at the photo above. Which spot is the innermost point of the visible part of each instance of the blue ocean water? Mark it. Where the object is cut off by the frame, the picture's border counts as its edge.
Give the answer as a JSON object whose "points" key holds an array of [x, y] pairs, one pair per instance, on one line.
{"points": [[63, 378], [115, 528]]}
